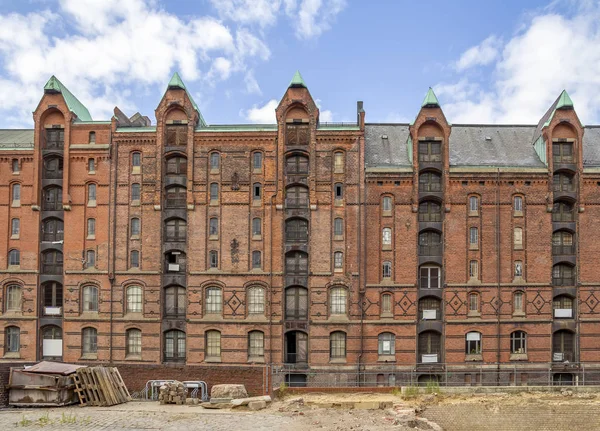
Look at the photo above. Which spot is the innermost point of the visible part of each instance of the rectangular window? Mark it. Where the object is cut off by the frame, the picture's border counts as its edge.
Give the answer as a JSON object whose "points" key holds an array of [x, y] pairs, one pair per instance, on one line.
{"points": [[15, 166], [16, 193], [213, 259], [256, 344], [386, 239], [91, 194], [256, 191], [338, 166], [518, 238], [337, 345], [213, 344], [386, 304], [214, 192], [473, 343], [90, 259], [257, 161], [338, 260], [214, 300], [91, 228], [177, 135], [562, 152], [15, 228], [256, 260], [90, 341], [339, 191], [91, 166], [213, 228], [430, 151], [134, 259], [338, 227], [473, 237], [256, 227], [474, 269], [430, 277], [135, 192], [518, 204]]}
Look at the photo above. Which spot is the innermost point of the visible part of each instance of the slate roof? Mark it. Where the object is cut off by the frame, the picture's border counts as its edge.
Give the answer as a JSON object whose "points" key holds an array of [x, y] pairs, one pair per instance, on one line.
{"points": [[591, 146], [16, 138], [509, 146], [390, 152]]}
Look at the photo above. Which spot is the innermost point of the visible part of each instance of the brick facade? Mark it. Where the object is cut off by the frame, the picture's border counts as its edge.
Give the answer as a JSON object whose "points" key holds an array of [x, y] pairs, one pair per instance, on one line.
{"points": [[301, 243]]}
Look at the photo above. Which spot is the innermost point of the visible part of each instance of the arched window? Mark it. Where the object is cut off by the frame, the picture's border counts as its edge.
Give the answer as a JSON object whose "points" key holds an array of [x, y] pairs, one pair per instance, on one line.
{"points": [[430, 211], [474, 270], [296, 197], [14, 257], [296, 164], [473, 237], [90, 298], [92, 138], [296, 263], [53, 198], [256, 300], [563, 307], [91, 194], [91, 228], [215, 161], [337, 345], [257, 160], [429, 346], [213, 344], [134, 259], [337, 300], [563, 346], [53, 230], [176, 197], [90, 341], [213, 228], [473, 343], [52, 262], [214, 192], [518, 303], [430, 243], [386, 205], [14, 297], [430, 182], [296, 230], [386, 344], [53, 168], [338, 260], [177, 165], [135, 192], [174, 346], [338, 162], [562, 243], [563, 212], [430, 308], [175, 301], [518, 205], [256, 344], [214, 300], [256, 227], [387, 270], [338, 227], [136, 162], [12, 339], [473, 205], [213, 259], [518, 342], [16, 194], [386, 237], [134, 342], [473, 303], [563, 275], [135, 227], [134, 299], [563, 182], [176, 230], [296, 303], [386, 304]]}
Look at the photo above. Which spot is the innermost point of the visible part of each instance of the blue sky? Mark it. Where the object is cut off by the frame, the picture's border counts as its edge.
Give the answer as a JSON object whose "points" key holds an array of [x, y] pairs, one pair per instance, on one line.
{"points": [[487, 61]]}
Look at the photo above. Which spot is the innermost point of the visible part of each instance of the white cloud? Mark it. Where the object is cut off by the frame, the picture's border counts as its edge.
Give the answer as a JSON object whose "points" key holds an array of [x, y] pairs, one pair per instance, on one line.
{"points": [[313, 16], [262, 115], [115, 44], [261, 12], [325, 116], [252, 86], [480, 55], [551, 53]]}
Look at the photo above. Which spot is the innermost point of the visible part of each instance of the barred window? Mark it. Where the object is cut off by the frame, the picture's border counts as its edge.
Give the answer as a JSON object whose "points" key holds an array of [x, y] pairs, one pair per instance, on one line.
{"points": [[387, 270], [386, 303], [13, 297], [90, 298], [256, 300], [387, 342], [12, 343], [90, 341], [337, 297], [214, 300], [338, 260], [134, 342], [256, 344], [213, 344], [213, 259], [337, 345], [134, 299], [256, 260]]}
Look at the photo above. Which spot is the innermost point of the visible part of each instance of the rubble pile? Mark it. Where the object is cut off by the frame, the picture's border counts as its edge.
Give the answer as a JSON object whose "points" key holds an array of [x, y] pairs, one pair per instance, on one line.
{"points": [[172, 393]]}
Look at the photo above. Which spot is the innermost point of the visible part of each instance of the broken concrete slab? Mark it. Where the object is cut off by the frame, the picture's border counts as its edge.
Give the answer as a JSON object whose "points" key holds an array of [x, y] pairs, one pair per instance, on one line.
{"points": [[228, 391], [245, 401], [257, 405]]}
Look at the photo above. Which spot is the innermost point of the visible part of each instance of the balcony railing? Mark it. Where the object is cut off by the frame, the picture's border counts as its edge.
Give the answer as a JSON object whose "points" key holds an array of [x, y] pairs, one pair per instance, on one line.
{"points": [[430, 158], [430, 217], [564, 188], [175, 203], [563, 217], [296, 358], [430, 187], [561, 250], [430, 250], [52, 269], [296, 203], [53, 175], [563, 281]]}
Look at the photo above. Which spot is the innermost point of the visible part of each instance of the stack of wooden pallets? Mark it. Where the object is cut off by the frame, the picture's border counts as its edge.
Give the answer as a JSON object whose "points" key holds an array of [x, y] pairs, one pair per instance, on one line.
{"points": [[100, 386]]}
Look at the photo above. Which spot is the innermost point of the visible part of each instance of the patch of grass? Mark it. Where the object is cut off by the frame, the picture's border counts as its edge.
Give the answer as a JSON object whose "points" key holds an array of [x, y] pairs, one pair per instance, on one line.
{"points": [[68, 418], [44, 420], [433, 387], [410, 392], [283, 390], [24, 422], [397, 391]]}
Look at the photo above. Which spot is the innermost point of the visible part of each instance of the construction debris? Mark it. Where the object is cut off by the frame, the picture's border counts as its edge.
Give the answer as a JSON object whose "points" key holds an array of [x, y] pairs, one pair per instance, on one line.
{"points": [[172, 393], [100, 386], [245, 401], [228, 392]]}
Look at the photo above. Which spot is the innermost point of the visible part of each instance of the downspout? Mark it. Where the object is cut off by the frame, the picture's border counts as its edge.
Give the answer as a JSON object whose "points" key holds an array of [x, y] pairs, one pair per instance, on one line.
{"points": [[273, 196], [498, 266], [114, 156], [362, 267]]}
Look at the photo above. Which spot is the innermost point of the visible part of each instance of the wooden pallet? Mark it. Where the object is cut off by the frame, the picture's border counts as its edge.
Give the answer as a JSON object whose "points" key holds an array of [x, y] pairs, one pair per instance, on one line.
{"points": [[100, 386]]}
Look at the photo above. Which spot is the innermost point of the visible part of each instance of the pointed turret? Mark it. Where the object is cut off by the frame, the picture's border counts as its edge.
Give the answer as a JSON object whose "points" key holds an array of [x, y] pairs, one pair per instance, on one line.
{"points": [[564, 101], [430, 100], [75, 106], [176, 83], [297, 81]]}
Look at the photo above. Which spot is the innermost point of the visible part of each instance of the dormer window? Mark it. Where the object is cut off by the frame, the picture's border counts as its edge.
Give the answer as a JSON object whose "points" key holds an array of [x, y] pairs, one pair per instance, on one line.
{"points": [[430, 151], [562, 152]]}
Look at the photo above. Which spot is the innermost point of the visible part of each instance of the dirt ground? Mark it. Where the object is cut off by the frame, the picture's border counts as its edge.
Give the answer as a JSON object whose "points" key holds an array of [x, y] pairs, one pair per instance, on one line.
{"points": [[338, 412]]}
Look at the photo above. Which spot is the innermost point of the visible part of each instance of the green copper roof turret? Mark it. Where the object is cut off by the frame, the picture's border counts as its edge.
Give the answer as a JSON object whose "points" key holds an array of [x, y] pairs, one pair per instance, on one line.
{"points": [[75, 106], [564, 101], [177, 82], [430, 99], [297, 81]]}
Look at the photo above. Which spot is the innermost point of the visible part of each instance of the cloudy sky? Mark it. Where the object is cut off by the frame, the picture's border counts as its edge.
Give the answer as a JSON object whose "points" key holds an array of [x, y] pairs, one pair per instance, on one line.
{"points": [[488, 61]]}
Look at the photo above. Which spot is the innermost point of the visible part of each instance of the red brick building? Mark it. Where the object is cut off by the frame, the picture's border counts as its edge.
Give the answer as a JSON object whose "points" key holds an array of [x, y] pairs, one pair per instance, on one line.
{"points": [[394, 249]]}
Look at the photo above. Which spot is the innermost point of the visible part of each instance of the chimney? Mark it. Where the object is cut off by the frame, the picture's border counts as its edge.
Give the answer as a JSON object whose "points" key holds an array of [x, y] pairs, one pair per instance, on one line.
{"points": [[360, 115]]}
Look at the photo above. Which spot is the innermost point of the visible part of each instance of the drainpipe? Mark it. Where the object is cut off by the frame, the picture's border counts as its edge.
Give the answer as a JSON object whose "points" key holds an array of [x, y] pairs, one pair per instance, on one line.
{"points": [[362, 258], [273, 211], [498, 266], [114, 158]]}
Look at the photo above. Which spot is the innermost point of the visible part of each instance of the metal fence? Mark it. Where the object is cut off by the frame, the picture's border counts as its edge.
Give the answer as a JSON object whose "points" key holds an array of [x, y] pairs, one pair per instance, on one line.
{"points": [[452, 375]]}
